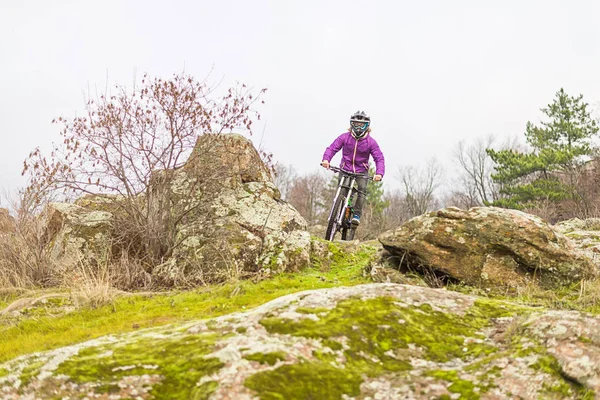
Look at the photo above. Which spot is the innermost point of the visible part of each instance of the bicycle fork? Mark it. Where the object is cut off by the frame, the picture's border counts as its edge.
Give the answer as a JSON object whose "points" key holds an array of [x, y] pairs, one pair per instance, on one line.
{"points": [[334, 200], [346, 202]]}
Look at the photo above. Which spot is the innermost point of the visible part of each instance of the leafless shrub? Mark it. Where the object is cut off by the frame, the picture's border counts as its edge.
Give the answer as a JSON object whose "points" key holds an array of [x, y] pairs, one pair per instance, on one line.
{"points": [[420, 186], [585, 202], [545, 209], [475, 168], [397, 212], [284, 178], [307, 196], [25, 262], [473, 185], [128, 273], [132, 143]]}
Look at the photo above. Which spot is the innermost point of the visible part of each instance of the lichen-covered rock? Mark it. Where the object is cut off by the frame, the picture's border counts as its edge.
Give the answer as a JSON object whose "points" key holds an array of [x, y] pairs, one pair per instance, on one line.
{"points": [[377, 341], [490, 247], [231, 156], [576, 224], [585, 235], [217, 217], [237, 223], [75, 234]]}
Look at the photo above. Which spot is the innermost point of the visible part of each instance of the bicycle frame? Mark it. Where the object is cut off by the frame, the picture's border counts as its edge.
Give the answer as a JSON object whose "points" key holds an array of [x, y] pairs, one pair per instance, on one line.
{"points": [[346, 181], [351, 190]]}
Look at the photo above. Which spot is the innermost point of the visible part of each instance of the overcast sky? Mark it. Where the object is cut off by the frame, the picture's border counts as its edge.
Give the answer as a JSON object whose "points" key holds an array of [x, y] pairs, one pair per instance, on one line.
{"points": [[429, 73]]}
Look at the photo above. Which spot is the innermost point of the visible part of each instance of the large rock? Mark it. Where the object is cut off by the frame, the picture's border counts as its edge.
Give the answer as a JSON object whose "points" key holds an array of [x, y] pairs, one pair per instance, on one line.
{"points": [[378, 341], [585, 234], [221, 209], [237, 223], [490, 247], [76, 234]]}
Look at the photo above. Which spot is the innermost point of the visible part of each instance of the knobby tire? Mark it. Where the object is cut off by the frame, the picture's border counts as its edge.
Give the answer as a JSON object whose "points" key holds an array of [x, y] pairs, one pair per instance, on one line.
{"points": [[331, 224], [348, 233]]}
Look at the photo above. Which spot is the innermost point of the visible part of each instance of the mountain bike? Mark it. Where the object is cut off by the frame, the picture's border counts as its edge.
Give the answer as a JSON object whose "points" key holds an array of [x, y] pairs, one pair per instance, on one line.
{"points": [[342, 208]]}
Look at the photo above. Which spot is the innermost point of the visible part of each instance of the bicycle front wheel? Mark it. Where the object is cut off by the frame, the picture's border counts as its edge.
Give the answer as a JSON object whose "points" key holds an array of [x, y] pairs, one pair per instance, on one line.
{"points": [[332, 224]]}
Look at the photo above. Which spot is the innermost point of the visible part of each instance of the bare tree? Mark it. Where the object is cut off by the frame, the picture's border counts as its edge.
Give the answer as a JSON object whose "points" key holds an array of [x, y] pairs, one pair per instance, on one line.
{"points": [[476, 166], [306, 195], [126, 138], [420, 185], [396, 212], [464, 197], [284, 177]]}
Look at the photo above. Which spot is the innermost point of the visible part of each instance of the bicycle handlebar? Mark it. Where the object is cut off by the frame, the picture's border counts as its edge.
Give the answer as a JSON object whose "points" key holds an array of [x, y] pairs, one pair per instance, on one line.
{"points": [[352, 174]]}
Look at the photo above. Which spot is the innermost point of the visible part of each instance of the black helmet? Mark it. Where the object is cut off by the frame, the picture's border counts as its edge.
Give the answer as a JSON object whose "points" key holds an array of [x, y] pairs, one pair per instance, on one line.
{"points": [[359, 124]]}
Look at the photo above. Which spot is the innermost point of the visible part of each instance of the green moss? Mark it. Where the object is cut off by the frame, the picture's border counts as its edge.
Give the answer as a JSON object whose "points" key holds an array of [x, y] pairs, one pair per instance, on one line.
{"points": [[305, 380], [30, 371], [267, 358], [307, 310], [373, 327], [337, 253], [211, 325], [180, 362], [3, 372], [241, 329], [584, 339], [547, 364], [130, 313], [7, 296], [341, 257], [487, 308], [333, 344], [107, 388], [466, 389], [203, 391], [375, 332], [574, 235], [52, 306]]}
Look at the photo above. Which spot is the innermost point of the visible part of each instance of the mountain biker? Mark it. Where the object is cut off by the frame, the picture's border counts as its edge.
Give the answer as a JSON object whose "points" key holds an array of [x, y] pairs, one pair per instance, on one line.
{"points": [[357, 145]]}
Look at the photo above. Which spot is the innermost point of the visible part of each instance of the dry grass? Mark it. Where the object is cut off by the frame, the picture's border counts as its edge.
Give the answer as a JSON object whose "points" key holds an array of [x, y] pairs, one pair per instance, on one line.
{"points": [[91, 286], [96, 283], [24, 260], [589, 293]]}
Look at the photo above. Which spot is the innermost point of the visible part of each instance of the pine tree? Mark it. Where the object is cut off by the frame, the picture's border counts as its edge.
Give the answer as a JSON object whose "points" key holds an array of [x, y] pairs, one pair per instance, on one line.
{"points": [[559, 149]]}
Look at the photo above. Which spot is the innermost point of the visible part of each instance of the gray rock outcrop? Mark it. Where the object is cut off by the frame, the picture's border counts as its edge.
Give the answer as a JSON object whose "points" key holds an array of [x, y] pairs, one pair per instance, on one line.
{"points": [[489, 247], [221, 208]]}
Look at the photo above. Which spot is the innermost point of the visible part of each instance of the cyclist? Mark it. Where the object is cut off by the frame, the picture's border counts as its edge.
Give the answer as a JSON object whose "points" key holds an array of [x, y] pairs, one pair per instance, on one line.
{"points": [[357, 146]]}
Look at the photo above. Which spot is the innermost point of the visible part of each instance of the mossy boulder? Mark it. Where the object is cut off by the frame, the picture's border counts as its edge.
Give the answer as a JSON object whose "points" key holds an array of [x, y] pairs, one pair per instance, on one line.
{"points": [[237, 224], [382, 341], [489, 247], [219, 216], [75, 234]]}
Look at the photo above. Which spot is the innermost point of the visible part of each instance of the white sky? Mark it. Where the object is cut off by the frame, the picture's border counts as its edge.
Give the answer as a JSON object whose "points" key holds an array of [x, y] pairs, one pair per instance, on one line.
{"points": [[428, 72]]}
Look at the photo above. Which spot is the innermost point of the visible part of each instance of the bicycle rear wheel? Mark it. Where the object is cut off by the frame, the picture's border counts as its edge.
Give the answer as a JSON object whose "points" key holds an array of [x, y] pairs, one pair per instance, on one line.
{"points": [[348, 233], [332, 225]]}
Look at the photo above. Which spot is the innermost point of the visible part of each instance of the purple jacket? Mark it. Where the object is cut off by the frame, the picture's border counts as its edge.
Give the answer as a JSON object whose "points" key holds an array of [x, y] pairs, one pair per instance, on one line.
{"points": [[355, 153]]}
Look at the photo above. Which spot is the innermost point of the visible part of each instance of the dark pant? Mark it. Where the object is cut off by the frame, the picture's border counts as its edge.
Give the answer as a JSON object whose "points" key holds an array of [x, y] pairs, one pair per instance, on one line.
{"points": [[362, 193]]}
